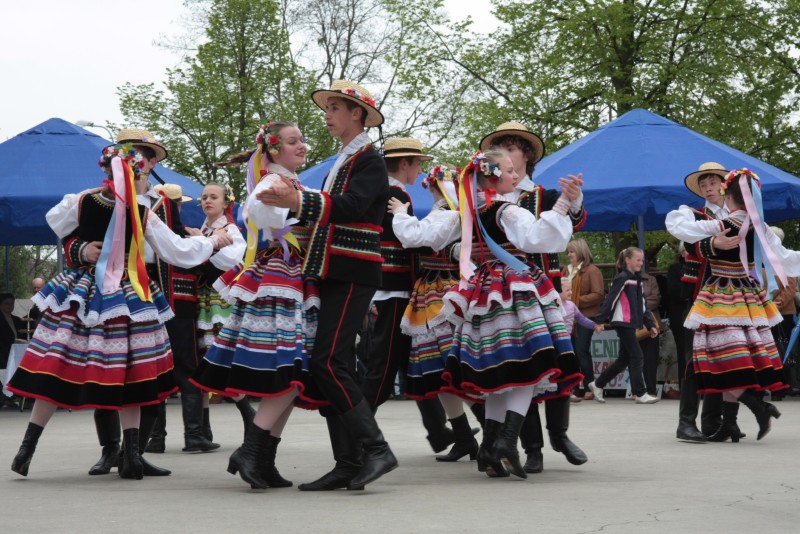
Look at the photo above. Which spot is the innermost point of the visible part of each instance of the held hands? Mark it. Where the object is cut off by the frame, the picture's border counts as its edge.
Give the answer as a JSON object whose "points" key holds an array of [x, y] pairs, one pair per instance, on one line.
{"points": [[654, 332], [598, 328], [571, 187], [221, 239], [92, 252], [395, 206], [281, 194], [193, 231], [723, 241]]}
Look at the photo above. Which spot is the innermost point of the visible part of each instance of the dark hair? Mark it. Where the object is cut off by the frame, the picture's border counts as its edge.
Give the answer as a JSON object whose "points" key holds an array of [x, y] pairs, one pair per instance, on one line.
{"points": [[626, 253], [521, 143], [735, 191], [6, 296], [393, 164], [272, 129], [351, 105], [146, 151]]}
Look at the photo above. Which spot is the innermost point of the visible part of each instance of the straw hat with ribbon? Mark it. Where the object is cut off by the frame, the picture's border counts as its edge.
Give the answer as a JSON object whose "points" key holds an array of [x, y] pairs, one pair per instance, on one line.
{"points": [[139, 137], [350, 91], [692, 180], [518, 129], [397, 147], [173, 192]]}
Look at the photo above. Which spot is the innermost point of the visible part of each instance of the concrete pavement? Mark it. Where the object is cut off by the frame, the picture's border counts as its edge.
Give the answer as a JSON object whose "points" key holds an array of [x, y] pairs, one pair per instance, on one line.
{"points": [[639, 478]]}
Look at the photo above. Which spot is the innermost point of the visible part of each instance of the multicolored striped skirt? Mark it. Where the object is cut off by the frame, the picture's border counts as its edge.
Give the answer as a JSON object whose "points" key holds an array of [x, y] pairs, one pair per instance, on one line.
{"points": [[97, 351], [263, 347], [509, 332]]}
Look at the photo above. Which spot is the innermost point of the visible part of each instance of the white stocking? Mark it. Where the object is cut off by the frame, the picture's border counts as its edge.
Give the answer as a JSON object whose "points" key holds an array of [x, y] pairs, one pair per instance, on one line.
{"points": [[271, 410], [453, 406], [129, 417], [42, 412]]}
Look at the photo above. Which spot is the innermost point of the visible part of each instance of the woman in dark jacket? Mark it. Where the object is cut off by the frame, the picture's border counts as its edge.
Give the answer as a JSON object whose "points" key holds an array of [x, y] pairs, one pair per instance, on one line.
{"points": [[625, 309]]}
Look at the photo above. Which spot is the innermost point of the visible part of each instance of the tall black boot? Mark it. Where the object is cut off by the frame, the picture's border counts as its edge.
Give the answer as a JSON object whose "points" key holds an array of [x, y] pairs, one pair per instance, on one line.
{"points": [[22, 460], [687, 411], [711, 415], [131, 466], [158, 437], [346, 453], [194, 439], [479, 411], [245, 459], [486, 461], [148, 418], [247, 412], [109, 434], [267, 467], [435, 422], [378, 457], [532, 441], [729, 427], [556, 413], [465, 441], [207, 425], [505, 446], [763, 411]]}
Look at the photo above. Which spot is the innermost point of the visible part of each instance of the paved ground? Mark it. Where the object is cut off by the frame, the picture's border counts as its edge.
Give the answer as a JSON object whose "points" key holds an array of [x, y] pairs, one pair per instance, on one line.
{"points": [[639, 478]]}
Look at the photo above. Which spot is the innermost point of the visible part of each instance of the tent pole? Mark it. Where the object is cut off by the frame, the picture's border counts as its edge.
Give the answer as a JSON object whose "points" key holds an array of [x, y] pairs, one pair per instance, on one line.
{"points": [[8, 271], [60, 256], [640, 228]]}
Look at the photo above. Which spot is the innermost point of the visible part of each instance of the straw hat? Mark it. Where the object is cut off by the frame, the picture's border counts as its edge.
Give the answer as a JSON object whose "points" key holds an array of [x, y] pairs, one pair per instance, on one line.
{"points": [[350, 91], [396, 147], [692, 180], [173, 192], [139, 137], [518, 129]]}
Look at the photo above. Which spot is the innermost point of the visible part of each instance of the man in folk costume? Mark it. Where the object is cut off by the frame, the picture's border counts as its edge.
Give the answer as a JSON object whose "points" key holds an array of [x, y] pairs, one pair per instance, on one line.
{"points": [[705, 183], [345, 255], [526, 149]]}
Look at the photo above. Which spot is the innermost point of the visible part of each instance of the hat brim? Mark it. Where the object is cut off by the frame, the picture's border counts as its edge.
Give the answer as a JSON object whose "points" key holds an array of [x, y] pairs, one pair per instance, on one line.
{"points": [[184, 198], [161, 152], [423, 157], [321, 96], [532, 138], [692, 180]]}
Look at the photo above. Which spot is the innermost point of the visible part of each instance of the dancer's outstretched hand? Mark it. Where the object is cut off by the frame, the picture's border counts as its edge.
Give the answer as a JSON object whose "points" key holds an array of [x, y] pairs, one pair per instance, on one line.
{"points": [[571, 186]]}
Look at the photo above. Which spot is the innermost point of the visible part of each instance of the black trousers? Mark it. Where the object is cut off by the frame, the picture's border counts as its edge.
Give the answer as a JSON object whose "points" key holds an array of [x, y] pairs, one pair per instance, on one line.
{"points": [[630, 356], [389, 351], [183, 339], [332, 364]]}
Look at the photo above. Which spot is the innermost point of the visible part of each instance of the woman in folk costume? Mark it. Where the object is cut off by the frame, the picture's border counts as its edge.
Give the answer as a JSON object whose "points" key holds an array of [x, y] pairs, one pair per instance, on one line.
{"points": [[733, 349], [101, 342], [217, 203], [510, 344], [263, 347], [430, 332]]}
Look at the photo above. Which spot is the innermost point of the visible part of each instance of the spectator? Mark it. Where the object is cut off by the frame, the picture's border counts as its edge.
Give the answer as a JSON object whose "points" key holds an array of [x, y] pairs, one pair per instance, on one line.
{"points": [[784, 299], [650, 346], [10, 325]]}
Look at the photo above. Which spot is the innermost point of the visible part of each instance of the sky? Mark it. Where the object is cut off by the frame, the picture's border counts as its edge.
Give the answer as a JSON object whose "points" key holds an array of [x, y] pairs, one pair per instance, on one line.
{"points": [[66, 58]]}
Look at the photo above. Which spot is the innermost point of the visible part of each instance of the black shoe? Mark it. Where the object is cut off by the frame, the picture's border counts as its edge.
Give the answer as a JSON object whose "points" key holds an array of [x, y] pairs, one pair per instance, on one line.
{"points": [[378, 458], [156, 445], [109, 459], [22, 460], [505, 446], [534, 461], [465, 444], [246, 411], [763, 411], [245, 459], [131, 465], [267, 468], [486, 461], [557, 416], [689, 432], [346, 453], [150, 470], [194, 439], [728, 429]]}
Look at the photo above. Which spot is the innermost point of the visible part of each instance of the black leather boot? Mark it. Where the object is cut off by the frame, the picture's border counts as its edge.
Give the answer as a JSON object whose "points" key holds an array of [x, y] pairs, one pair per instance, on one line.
{"points": [[729, 427], [486, 461], [465, 444], [207, 425], [157, 442], [106, 422], [131, 466], [435, 422], [687, 411], [267, 467], [711, 415], [346, 453], [247, 412], [22, 460], [479, 411], [245, 459], [763, 411], [194, 439], [532, 441], [556, 413], [505, 446], [149, 416], [378, 458]]}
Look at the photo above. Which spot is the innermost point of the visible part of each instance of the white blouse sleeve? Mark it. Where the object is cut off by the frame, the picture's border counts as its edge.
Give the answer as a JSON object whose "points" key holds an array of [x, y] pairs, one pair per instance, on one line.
{"points": [[264, 216], [180, 251], [227, 257], [790, 259], [63, 217], [549, 233], [681, 223], [438, 229]]}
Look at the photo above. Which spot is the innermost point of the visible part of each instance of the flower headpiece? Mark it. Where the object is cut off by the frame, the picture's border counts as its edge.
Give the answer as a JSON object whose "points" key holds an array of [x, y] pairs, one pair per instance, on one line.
{"points": [[272, 142], [126, 152], [229, 194], [441, 173], [481, 164], [733, 174], [358, 95]]}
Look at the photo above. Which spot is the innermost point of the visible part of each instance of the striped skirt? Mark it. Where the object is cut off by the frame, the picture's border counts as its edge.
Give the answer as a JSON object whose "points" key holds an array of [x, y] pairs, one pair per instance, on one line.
{"points": [[509, 332]]}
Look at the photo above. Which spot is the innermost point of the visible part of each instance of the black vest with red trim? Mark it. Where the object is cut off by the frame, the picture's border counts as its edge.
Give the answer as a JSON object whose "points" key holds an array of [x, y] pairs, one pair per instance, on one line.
{"points": [[95, 214], [695, 270], [397, 267], [537, 201]]}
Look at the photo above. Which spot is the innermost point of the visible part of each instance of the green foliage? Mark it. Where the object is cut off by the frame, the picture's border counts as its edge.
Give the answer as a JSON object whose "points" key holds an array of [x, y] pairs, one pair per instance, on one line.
{"points": [[25, 264]]}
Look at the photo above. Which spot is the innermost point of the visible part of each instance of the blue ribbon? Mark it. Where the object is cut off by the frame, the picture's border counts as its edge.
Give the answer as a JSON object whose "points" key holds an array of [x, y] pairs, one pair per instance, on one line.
{"points": [[758, 247], [102, 261], [792, 338]]}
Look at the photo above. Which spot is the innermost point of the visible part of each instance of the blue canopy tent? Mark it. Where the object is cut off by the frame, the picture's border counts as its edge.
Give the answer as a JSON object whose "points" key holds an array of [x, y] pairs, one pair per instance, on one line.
{"points": [[634, 166], [39, 166], [421, 198]]}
